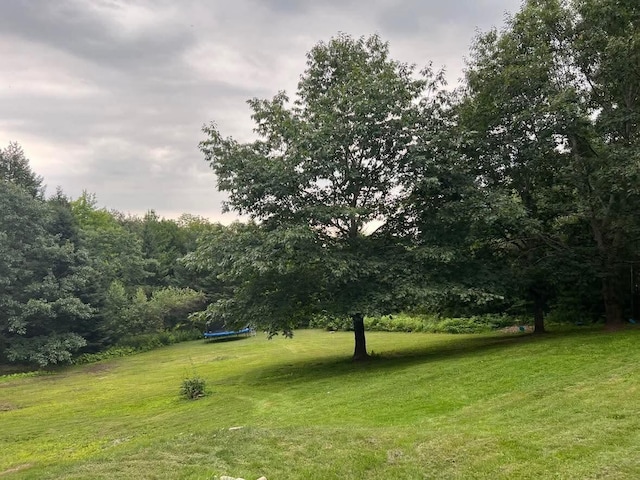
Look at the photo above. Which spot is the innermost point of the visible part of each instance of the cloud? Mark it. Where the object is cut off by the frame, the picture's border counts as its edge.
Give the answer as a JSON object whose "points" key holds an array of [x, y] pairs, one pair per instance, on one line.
{"points": [[110, 95]]}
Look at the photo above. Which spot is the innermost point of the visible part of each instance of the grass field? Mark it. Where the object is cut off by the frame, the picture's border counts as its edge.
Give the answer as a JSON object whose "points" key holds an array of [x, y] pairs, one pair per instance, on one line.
{"points": [[565, 405]]}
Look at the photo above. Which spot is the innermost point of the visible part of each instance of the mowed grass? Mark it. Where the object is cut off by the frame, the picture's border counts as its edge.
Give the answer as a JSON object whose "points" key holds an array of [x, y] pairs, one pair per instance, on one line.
{"points": [[564, 405]]}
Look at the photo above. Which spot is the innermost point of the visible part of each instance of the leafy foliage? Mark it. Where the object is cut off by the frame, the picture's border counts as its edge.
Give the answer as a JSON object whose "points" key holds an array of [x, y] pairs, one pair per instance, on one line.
{"points": [[424, 323], [326, 166], [45, 350], [15, 169], [193, 388], [42, 276], [544, 104], [72, 277]]}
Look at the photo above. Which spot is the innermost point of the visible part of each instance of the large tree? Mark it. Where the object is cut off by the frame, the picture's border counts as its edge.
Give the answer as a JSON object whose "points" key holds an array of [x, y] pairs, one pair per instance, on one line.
{"points": [[43, 320], [604, 49], [554, 110], [513, 124], [329, 168], [116, 256]]}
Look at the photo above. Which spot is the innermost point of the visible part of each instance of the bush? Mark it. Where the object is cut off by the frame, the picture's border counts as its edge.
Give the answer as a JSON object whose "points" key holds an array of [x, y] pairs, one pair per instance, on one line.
{"points": [[113, 352], [57, 348], [149, 341], [423, 323], [173, 305], [404, 322], [167, 309], [186, 335], [193, 388], [331, 323], [397, 323], [139, 343]]}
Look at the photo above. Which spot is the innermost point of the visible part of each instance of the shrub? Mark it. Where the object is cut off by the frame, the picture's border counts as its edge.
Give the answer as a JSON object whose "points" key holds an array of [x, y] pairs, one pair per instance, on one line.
{"points": [[397, 323], [113, 352], [172, 305], [167, 309], [186, 335], [192, 388], [331, 323], [141, 343], [57, 348], [424, 323]]}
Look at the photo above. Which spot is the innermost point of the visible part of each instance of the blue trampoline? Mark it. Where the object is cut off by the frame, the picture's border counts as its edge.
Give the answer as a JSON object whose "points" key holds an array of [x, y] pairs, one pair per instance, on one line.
{"points": [[228, 333]]}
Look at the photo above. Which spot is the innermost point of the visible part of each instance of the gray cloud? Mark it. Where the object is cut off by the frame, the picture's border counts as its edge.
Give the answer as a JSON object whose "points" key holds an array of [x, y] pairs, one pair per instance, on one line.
{"points": [[100, 33], [110, 95], [416, 17]]}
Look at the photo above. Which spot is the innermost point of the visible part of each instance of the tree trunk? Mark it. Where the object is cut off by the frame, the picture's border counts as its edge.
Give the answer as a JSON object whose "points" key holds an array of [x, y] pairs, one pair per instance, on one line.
{"points": [[538, 317], [635, 295], [612, 308], [360, 352], [611, 300], [539, 295]]}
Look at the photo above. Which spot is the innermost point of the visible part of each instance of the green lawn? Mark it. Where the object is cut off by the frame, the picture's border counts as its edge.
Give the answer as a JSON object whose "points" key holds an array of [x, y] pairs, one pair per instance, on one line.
{"points": [[427, 406]]}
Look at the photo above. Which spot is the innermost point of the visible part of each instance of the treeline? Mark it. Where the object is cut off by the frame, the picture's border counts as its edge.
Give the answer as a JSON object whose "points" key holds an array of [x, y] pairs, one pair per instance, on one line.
{"points": [[375, 190], [78, 278]]}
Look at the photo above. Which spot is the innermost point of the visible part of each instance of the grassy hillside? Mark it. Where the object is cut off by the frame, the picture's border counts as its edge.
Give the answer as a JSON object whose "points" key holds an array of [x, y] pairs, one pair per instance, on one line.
{"points": [[427, 406]]}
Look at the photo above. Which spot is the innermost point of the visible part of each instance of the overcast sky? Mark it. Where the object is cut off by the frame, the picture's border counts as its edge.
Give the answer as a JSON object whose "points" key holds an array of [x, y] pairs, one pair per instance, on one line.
{"points": [[109, 96]]}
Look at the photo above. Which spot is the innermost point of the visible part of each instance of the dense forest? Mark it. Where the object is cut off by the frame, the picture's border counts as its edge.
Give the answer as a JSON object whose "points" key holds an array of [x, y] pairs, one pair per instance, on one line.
{"points": [[375, 189]]}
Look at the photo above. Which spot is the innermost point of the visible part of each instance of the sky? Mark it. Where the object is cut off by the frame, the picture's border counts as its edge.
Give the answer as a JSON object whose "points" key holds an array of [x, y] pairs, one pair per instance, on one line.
{"points": [[109, 96]]}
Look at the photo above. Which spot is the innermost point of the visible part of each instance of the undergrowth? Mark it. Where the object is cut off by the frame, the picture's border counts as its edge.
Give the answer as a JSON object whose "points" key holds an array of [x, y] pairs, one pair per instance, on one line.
{"points": [[139, 343], [424, 323]]}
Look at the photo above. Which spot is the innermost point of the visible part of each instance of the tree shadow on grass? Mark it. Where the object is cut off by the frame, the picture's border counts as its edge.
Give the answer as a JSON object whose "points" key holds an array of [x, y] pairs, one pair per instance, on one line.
{"points": [[225, 339], [447, 349]]}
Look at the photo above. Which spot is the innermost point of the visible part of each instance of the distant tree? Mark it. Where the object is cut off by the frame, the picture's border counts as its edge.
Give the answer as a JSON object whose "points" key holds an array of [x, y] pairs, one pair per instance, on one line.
{"points": [[165, 310], [115, 312], [163, 242], [42, 317], [272, 279], [172, 306], [452, 219], [63, 222], [193, 229], [115, 255], [323, 180], [15, 169], [604, 48]]}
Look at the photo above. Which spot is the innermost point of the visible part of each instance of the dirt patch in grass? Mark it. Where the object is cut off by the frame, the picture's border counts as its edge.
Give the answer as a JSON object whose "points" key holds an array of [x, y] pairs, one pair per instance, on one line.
{"points": [[16, 469], [5, 407], [98, 368], [518, 329]]}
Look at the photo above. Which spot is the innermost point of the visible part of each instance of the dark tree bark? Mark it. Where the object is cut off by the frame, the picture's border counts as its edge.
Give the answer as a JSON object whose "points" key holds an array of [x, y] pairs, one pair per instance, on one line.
{"points": [[612, 308], [607, 248], [360, 352], [538, 316], [540, 296]]}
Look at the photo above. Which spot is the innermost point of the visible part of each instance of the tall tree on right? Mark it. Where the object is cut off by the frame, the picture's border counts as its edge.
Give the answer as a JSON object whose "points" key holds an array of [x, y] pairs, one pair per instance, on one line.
{"points": [[605, 45], [552, 101]]}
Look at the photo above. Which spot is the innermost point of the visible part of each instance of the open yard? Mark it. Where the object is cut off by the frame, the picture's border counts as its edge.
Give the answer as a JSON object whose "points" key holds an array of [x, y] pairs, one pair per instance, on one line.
{"points": [[565, 405]]}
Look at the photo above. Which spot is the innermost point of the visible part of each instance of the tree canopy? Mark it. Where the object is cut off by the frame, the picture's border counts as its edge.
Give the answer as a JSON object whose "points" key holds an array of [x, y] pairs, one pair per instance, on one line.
{"points": [[325, 177], [553, 102]]}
